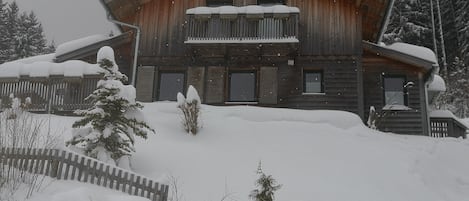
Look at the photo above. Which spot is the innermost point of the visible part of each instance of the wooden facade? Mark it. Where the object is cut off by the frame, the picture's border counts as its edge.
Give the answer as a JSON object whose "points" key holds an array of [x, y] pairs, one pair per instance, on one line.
{"points": [[323, 38]]}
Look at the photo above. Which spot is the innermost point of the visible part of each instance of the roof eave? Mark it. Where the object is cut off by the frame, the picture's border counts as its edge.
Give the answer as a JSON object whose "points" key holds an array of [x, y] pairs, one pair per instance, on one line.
{"points": [[399, 56]]}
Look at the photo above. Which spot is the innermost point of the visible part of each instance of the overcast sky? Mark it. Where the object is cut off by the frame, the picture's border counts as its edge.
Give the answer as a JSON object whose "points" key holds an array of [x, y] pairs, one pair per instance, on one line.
{"points": [[65, 20]]}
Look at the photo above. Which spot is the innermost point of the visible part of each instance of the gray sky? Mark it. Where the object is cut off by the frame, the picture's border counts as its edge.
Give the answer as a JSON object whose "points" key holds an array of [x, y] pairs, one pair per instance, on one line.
{"points": [[65, 20]]}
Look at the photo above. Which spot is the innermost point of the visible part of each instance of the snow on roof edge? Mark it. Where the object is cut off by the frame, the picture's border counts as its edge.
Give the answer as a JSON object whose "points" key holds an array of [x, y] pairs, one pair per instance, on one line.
{"points": [[73, 45], [447, 114], [414, 50], [437, 84], [45, 69], [251, 9]]}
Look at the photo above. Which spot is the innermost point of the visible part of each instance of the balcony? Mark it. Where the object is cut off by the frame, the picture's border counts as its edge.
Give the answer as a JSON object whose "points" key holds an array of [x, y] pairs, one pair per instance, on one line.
{"points": [[242, 25]]}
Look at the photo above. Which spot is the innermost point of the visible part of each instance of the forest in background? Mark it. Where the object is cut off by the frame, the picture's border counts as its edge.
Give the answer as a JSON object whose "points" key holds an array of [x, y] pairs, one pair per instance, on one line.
{"points": [[21, 34], [411, 22]]}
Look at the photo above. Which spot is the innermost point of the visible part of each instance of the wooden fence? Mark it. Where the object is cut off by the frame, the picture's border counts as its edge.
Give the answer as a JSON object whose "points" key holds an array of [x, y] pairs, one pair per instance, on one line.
{"points": [[55, 94], [65, 165], [446, 127]]}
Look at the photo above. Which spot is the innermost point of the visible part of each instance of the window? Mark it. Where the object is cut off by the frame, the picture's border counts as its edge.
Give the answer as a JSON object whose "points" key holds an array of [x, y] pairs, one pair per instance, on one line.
{"points": [[242, 87], [170, 84], [216, 3], [270, 2], [313, 82], [394, 91]]}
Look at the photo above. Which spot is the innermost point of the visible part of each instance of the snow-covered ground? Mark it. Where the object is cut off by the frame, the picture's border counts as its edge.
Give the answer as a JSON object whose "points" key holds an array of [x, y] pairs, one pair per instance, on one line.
{"points": [[315, 155]]}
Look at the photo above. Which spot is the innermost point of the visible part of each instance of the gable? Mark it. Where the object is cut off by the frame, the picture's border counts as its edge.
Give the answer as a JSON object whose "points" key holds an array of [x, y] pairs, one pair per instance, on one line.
{"points": [[375, 13]]}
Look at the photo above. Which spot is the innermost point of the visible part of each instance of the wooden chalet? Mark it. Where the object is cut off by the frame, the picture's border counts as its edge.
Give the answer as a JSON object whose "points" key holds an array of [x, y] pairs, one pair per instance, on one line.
{"points": [[303, 54]]}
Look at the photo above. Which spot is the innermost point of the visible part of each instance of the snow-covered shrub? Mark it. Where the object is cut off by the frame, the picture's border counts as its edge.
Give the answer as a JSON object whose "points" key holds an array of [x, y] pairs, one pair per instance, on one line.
{"points": [[107, 130], [14, 106], [372, 118], [22, 131], [190, 107], [266, 187]]}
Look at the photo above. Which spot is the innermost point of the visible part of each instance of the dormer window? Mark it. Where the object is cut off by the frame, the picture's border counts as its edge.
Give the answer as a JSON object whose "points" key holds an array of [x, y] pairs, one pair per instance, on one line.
{"points": [[216, 3], [270, 2]]}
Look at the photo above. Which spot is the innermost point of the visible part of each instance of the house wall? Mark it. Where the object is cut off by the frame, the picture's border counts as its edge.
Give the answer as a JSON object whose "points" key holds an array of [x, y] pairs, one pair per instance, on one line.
{"points": [[329, 27], [411, 121], [330, 40], [340, 85]]}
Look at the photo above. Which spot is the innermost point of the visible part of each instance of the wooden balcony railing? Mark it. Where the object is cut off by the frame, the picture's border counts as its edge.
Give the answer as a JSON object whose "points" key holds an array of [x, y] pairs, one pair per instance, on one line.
{"points": [[446, 127], [251, 24]]}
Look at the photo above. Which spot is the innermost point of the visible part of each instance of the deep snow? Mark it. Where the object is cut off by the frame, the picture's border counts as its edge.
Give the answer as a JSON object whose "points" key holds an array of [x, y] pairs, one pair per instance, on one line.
{"points": [[315, 155]]}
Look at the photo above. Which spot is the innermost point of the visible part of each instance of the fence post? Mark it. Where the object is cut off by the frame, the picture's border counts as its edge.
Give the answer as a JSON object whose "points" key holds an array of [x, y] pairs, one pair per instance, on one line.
{"points": [[54, 164]]}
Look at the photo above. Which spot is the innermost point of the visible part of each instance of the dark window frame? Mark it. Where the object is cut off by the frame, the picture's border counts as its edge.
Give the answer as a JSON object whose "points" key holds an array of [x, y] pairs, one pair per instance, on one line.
{"points": [[271, 2], [307, 71], [256, 85], [405, 91], [217, 3], [184, 82]]}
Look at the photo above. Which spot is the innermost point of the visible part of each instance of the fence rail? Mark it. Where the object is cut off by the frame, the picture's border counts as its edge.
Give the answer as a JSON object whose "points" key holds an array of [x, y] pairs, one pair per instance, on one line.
{"points": [[446, 127], [65, 165]]}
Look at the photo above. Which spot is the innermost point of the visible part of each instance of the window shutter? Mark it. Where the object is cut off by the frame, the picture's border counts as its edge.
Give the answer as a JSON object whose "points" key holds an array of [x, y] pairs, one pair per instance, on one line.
{"points": [[215, 84], [145, 77], [268, 85]]}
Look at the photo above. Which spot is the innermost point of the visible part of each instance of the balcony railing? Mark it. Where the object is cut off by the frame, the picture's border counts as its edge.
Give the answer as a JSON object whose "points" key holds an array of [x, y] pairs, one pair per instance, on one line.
{"points": [[250, 24]]}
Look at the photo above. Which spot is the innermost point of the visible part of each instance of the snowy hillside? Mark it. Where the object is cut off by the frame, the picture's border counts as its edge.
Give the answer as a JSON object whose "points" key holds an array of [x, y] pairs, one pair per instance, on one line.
{"points": [[315, 155]]}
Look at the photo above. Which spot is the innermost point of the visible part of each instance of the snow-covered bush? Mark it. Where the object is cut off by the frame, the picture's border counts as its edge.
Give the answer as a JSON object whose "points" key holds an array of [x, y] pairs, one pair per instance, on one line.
{"points": [[372, 118], [14, 106], [266, 187], [190, 107], [21, 129], [107, 130]]}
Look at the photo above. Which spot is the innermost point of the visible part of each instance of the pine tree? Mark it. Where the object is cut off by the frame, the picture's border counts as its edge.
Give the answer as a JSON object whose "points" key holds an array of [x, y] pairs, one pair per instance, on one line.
{"points": [[107, 129], [410, 23], [30, 40], [4, 40], [462, 26], [459, 89], [12, 30], [50, 48], [266, 187]]}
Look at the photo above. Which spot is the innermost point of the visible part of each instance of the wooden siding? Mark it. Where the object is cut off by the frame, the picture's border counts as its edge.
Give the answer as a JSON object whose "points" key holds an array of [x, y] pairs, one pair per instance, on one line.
{"points": [[402, 122], [340, 85], [329, 27], [146, 76], [162, 24]]}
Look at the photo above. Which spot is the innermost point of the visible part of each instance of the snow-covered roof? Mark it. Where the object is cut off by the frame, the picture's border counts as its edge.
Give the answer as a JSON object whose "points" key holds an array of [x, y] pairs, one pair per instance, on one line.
{"points": [[73, 45], [252, 9], [45, 57], [414, 50], [438, 84], [73, 68]]}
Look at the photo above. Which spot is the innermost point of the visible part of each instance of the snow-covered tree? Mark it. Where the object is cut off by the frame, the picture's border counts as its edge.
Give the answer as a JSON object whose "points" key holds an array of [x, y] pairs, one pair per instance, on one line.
{"points": [[4, 42], [456, 97], [107, 130], [266, 187], [29, 40], [190, 107], [410, 23]]}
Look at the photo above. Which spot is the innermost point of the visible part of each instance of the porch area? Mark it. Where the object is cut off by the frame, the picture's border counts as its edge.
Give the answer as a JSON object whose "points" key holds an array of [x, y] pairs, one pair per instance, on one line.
{"points": [[444, 124]]}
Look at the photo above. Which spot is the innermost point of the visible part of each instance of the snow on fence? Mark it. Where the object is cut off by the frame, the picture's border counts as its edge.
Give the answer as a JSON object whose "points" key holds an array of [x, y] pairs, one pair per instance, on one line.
{"points": [[446, 127], [65, 165], [52, 94]]}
